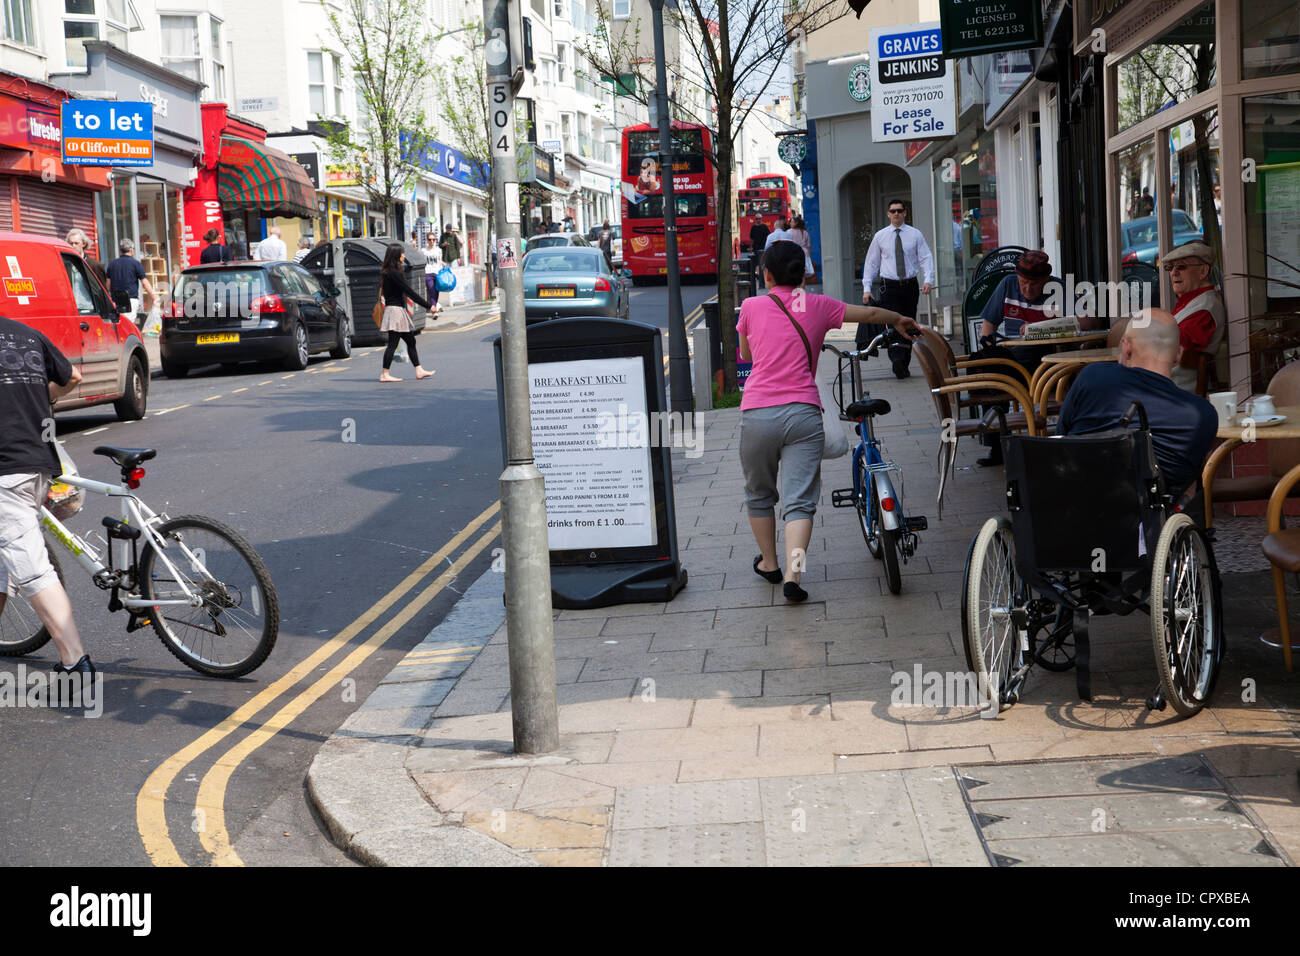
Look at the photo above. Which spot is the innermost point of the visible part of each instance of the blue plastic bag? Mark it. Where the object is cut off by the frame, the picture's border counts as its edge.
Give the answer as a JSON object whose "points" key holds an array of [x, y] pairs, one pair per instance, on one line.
{"points": [[446, 279]]}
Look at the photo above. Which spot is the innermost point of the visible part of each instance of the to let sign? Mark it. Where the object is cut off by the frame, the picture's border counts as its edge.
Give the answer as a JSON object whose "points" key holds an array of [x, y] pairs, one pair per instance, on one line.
{"points": [[107, 133], [990, 26]]}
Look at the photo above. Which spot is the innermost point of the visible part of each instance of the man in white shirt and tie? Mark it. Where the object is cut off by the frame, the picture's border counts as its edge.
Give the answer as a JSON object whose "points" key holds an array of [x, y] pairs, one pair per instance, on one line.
{"points": [[900, 258], [272, 248]]}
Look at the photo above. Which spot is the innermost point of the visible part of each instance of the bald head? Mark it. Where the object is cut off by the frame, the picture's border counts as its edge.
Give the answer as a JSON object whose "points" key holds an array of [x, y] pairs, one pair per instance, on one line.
{"points": [[1151, 342]]}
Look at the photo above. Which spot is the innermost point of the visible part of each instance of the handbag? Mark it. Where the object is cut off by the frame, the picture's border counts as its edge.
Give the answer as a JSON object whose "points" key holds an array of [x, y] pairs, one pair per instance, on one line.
{"points": [[377, 313], [446, 279], [836, 444]]}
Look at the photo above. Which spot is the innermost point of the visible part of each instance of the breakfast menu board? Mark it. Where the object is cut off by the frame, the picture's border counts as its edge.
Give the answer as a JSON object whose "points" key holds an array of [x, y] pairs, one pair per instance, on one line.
{"points": [[591, 441]]}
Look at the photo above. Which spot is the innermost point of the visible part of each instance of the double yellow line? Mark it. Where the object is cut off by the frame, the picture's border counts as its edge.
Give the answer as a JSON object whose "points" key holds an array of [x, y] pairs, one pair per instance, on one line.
{"points": [[208, 814]]}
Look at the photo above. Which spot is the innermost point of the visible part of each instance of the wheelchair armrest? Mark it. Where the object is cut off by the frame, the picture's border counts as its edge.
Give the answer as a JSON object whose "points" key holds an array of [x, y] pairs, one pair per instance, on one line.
{"points": [[1207, 475], [1277, 500]]}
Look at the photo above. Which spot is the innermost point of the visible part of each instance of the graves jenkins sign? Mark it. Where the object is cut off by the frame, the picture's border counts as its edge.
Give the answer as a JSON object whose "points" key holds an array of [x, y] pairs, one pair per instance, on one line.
{"points": [[107, 133], [912, 81]]}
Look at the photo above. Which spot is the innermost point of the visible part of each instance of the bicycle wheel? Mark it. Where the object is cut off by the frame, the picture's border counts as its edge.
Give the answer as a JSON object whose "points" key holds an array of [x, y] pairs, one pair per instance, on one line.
{"points": [[1186, 615], [992, 588], [869, 510], [235, 627], [890, 541], [21, 631]]}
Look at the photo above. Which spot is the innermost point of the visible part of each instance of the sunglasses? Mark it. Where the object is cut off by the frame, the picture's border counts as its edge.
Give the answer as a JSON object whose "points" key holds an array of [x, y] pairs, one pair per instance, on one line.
{"points": [[896, 211], [1180, 266]]}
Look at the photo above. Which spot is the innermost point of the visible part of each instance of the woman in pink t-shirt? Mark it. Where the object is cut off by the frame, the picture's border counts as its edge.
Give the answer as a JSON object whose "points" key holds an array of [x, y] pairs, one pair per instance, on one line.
{"points": [[780, 414]]}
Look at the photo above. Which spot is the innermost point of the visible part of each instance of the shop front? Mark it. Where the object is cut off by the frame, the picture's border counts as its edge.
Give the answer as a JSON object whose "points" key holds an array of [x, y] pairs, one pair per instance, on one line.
{"points": [[145, 204], [242, 183], [542, 198], [1203, 140], [856, 176], [38, 193], [340, 211]]}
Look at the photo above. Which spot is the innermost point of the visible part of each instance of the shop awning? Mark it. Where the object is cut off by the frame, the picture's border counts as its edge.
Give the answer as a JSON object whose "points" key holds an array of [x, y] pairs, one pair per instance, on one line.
{"points": [[258, 177], [540, 188]]}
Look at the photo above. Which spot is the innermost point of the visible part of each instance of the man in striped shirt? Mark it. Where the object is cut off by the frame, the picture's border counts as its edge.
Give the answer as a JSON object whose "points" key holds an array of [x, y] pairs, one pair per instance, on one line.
{"points": [[1197, 307]]}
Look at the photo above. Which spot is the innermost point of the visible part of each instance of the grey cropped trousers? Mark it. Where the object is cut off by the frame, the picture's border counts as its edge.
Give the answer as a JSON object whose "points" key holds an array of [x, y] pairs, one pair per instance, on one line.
{"points": [[788, 438]]}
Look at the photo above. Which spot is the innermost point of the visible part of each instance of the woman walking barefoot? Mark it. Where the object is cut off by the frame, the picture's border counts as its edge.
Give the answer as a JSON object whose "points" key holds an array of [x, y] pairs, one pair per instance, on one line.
{"points": [[396, 322], [780, 415]]}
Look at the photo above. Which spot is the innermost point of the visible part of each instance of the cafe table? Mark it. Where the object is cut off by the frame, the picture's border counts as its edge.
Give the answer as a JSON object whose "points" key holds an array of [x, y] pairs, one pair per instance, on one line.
{"points": [[1234, 435]]}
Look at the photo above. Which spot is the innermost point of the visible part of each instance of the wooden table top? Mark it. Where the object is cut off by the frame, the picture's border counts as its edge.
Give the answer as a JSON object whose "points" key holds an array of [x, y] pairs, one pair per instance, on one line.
{"points": [[1287, 429], [1083, 355], [1059, 339]]}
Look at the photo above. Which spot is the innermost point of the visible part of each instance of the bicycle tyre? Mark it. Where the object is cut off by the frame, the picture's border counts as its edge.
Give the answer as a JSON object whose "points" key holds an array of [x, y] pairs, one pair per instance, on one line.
{"points": [[889, 544], [18, 618], [170, 627], [869, 511]]}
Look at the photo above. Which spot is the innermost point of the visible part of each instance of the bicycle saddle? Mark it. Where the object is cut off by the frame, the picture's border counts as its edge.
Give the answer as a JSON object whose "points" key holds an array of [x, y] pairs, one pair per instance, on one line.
{"points": [[867, 406], [126, 458]]}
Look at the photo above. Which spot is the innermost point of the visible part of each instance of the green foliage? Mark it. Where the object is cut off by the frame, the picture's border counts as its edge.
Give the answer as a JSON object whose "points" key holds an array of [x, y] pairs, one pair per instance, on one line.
{"points": [[728, 400]]}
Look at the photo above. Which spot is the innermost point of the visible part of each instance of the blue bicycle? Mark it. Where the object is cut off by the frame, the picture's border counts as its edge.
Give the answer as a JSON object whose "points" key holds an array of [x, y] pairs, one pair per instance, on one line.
{"points": [[877, 492]]}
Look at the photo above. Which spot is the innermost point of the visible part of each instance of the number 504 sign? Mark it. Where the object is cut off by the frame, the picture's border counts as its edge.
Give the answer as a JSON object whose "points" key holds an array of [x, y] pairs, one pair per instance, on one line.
{"points": [[502, 119]]}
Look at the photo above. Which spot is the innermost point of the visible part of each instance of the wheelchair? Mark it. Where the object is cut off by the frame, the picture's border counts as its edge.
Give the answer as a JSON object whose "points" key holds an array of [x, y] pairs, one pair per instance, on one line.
{"points": [[1091, 530]]}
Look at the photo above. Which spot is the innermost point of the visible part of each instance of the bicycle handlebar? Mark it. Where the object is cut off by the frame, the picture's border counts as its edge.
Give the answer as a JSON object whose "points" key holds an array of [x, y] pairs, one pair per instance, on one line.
{"points": [[887, 337]]}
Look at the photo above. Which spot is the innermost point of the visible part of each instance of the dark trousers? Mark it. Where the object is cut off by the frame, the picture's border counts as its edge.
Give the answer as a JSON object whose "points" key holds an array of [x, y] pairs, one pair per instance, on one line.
{"points": [[901, 297], [409, 339], [1029, 356], [431, 286]]}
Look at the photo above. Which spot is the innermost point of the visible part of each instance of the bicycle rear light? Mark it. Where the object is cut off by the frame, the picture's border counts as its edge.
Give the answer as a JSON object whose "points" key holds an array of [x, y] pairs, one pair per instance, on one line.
{"points": [[133, 477], [887, 504]]}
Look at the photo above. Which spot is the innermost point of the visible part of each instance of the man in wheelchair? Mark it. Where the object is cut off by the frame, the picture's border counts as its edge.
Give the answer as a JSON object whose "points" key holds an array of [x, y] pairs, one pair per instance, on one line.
{"points": [[1183, 424], [1094, 528]]}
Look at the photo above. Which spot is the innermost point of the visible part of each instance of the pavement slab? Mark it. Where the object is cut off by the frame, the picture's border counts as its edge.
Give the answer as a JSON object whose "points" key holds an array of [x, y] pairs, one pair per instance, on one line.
{"points": [[727, 727]]}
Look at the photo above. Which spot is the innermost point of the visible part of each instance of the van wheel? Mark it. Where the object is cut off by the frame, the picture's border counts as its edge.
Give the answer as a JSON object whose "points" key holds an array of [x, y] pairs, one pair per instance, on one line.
{"points": [[131, 406], [174, 370]]}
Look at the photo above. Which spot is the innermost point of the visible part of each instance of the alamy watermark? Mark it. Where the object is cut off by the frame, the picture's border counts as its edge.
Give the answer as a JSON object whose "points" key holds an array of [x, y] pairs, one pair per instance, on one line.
{"points": [[37, 689], [918, 688], [636, 429]]}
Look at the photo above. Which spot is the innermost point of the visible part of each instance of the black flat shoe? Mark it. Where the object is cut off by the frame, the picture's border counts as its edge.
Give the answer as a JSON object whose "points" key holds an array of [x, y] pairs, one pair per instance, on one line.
{"points": [[772, 576], [793, 593], [990, 462]]}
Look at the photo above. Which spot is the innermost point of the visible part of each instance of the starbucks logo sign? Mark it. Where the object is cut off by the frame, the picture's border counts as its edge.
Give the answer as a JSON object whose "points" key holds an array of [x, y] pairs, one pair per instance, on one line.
{"points": [[793, 149], [860, 82]]}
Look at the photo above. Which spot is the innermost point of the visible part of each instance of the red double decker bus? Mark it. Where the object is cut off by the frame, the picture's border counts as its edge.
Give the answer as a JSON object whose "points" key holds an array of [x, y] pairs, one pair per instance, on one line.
{"points": [[765, 198], [694, 182]]}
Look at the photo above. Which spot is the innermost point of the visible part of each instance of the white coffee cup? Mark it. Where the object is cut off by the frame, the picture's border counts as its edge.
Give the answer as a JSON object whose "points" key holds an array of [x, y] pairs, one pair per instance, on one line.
{"points": [[1260, 406], [1225, 403]]}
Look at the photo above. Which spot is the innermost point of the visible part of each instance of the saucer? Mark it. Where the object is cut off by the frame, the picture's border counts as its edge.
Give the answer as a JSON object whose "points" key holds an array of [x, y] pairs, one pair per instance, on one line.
{"points": [[1265, 420]]}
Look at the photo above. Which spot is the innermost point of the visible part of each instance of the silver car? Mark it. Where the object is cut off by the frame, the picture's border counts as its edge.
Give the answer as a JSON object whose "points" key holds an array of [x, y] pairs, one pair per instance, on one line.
{"points": [[565, 281]]}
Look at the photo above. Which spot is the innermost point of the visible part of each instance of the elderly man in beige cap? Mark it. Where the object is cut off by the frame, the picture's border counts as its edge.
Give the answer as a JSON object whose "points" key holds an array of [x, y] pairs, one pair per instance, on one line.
{"points": [[1197, 307]]}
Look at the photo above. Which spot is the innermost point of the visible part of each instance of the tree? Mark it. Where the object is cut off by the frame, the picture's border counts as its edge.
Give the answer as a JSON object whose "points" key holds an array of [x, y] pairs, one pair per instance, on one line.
{"points": [[392, 62], [735, 71]]}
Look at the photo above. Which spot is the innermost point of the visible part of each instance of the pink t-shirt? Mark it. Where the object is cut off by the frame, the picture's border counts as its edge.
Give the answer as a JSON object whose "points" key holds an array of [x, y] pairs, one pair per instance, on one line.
{"points": [[780, 375]]}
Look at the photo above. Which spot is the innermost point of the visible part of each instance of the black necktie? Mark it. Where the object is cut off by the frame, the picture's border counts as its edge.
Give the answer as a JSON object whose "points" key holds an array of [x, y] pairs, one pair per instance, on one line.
{"points": [[899, 262]]}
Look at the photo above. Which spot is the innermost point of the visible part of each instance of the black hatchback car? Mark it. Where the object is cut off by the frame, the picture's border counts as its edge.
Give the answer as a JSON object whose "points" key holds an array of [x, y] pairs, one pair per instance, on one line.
{"points": [[244, 311]]}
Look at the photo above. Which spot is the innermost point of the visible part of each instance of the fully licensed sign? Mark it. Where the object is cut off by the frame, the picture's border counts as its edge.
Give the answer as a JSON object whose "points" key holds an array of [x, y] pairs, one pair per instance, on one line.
{"points": [[912, 84], [107, 133], [971, 27]]}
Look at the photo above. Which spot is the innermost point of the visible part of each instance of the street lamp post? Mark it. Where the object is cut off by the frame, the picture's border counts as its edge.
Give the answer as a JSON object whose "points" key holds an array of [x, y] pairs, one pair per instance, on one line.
{"points": [[679, 360]]}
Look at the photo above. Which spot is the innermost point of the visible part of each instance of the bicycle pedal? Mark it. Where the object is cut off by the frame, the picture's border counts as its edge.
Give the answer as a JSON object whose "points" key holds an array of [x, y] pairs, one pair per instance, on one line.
{"points": [[138, 621], [843, 498], [917, 523]]}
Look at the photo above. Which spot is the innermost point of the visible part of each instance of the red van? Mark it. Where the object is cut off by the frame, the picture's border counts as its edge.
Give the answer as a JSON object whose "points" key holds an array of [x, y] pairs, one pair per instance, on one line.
{"points": [[48, 286]]}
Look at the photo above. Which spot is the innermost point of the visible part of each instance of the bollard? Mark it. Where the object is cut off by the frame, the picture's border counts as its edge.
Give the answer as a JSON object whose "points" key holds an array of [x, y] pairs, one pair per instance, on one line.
{"points": [[703, 370], [715, 337]]}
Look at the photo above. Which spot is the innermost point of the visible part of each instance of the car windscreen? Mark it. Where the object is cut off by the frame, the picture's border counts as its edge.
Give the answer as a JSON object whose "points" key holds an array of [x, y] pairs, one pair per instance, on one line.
{"points": [[541, 242], [568, 261], [230, 291]]}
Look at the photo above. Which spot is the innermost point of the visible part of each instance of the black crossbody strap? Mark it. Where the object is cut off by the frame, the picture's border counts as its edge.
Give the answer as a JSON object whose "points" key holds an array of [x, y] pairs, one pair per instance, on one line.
{"points": [[807, 347]]}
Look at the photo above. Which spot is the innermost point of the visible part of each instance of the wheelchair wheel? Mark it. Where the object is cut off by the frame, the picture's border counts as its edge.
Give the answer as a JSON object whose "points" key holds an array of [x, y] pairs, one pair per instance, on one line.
{"points": [[992, 589], [1186, 615], [1053, 640]]}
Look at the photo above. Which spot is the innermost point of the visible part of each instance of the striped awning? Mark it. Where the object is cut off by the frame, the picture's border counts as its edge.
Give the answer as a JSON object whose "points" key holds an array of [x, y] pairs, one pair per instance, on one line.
{"points": [[258, 177]]}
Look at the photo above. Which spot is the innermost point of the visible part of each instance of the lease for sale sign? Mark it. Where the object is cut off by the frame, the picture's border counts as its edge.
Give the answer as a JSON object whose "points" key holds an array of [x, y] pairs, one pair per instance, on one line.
{"points": [[911, 82], [107, 133]]}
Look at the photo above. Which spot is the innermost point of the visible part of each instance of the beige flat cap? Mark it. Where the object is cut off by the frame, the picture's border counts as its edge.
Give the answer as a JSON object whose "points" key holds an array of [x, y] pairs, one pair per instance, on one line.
{"points": [[1190, 250]]}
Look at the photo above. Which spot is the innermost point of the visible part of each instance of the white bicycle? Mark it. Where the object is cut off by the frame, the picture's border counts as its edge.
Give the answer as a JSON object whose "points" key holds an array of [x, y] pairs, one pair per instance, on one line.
{"points": [[200, 585]]}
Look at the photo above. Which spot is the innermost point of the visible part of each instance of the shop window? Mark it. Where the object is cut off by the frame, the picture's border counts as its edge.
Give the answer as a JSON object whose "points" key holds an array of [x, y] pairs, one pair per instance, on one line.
{"points": [[218, 60], [1270, 38], [20, 25], [1194, 188], [316, 83], [1176, 66], [1138, 189], [180, 46]]}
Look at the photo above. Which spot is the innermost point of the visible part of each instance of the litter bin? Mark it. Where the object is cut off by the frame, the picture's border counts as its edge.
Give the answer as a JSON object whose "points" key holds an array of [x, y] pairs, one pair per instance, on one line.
{"points": [[361, 261], [742, 271]]}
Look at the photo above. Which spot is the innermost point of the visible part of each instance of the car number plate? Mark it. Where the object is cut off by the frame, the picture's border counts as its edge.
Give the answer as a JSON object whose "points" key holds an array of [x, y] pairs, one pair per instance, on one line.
{"points": [[218, 338], [556, 293]]}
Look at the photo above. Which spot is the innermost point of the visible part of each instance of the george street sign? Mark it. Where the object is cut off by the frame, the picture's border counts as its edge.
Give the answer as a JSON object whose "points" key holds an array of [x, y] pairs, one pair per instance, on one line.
{"points": [[972, 27]]}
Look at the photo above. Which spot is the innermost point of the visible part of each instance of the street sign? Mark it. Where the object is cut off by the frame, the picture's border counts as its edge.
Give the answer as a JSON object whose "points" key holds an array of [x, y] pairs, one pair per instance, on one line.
{"points": [[107, 133], [257, 104], [971, 27], [912, 79]]}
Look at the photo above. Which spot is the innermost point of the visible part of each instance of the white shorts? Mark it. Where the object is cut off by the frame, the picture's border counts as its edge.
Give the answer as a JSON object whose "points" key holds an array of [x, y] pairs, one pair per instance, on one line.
{"points": [[24, 563]]}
